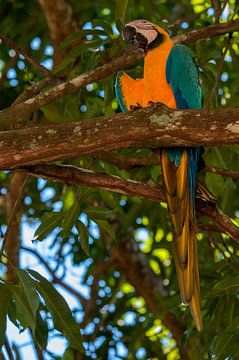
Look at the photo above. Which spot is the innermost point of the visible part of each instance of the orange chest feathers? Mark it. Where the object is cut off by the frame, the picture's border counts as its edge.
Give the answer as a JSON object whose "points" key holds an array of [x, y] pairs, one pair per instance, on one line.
{"points": [[155, 87]]}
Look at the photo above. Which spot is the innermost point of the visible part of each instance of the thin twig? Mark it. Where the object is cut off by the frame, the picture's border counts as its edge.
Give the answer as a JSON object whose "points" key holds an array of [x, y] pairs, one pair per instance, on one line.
{"points": [[10, 65], [19, 50], [217, 10]]}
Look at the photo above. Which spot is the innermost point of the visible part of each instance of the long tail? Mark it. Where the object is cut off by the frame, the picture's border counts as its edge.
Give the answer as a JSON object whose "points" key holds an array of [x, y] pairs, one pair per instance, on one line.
{"points": [[182, 214]]}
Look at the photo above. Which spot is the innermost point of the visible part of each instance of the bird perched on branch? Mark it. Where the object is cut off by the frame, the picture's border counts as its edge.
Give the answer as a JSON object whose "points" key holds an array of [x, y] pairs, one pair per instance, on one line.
{"points": [[170, 77]]}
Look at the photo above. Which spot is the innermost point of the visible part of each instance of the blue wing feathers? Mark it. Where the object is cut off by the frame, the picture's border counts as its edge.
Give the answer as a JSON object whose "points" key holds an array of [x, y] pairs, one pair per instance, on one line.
{"points": [[182, 75]]}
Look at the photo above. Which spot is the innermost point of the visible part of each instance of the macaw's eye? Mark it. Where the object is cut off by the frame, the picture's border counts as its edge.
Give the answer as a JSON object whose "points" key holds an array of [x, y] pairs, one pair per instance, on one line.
{"points": [[129, 33]]}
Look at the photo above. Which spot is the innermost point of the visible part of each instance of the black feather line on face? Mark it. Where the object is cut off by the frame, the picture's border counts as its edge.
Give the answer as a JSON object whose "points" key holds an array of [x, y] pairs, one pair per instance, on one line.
{"points": [[158, 41]]}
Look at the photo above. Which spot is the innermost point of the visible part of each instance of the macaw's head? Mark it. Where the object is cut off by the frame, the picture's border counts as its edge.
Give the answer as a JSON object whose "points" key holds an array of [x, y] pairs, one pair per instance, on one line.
{"points": [[144, 34]]}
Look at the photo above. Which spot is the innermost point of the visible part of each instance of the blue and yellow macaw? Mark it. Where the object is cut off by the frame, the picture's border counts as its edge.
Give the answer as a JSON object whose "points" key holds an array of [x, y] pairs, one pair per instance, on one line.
{"points": [[171, 78]]}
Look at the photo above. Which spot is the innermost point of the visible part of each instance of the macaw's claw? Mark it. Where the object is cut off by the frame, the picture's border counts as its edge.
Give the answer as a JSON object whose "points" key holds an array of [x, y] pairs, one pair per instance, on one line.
{"points": [[135, 107], [156, 104]]}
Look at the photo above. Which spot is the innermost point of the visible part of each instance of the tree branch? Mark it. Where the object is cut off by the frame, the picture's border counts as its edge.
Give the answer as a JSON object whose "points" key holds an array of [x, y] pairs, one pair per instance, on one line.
{"points": [[217, 10], [126, 162], [80, 177], [160, 127], [223, 172], [207, 32], [10, 114]]}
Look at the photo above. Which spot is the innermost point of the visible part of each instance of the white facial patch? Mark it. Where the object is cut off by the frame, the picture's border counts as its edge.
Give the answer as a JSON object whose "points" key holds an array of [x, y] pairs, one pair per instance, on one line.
{"points": [[145, 28]]}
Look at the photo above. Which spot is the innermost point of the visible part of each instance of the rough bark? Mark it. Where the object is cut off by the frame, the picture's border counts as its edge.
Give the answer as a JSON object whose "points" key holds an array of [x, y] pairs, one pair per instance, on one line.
{"points": [[148, 127]]}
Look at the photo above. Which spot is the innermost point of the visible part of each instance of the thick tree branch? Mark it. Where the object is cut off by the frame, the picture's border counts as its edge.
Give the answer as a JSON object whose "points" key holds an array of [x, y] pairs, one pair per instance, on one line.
{"points": [[161, 127], [207, 32], [9, 115], [80, 177]]}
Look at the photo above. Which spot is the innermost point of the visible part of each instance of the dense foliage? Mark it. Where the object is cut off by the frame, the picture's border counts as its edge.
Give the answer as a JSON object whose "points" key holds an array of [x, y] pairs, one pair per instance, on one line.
{"points": [[103, 250]]}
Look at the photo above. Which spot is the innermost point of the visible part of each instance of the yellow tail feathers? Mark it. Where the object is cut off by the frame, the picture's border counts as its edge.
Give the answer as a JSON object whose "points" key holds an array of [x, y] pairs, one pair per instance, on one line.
{"points": [[181, 212]]}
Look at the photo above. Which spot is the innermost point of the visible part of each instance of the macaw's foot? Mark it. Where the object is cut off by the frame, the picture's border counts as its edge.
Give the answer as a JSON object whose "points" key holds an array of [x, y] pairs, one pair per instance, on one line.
{"points": [[135, 107], [156, 104]]}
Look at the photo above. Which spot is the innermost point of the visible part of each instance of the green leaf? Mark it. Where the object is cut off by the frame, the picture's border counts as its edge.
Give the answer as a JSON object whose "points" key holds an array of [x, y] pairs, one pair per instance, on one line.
{"points": [[70, 219], [77, 51], [27, 286], [120, 11], [226, 286], [79, 34], [60, 312], [3, 315], [84, 236], [103, 224], [24, 312], [11, 306], [68, 354], [84, 195], [221, 347], [41, 332], [106, 25], [98, 212], [49, 222]]}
